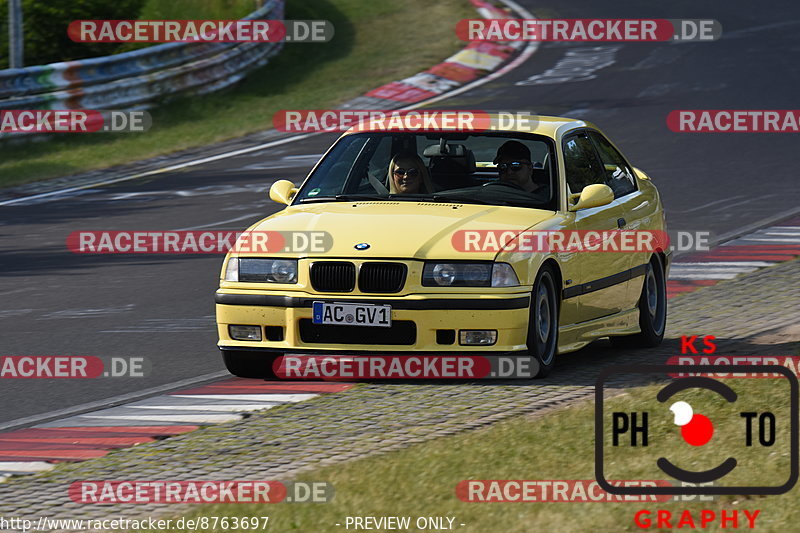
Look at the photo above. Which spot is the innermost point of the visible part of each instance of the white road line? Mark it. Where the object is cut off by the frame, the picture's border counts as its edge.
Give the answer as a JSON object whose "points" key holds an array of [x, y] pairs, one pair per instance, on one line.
{"points": [[24, 467], [211, 408], [89, 421], [166, 325], [715, 202], [169, 401], [162, 170], [708, 273], [134, 420], [758, 264], [699, 266], [312, 157], [679, 277], [14, 291], [282, 398], [783, 233], [743, 202], [793, 229], [789, 240], [737, 34], [58, 416], [211, 225]]}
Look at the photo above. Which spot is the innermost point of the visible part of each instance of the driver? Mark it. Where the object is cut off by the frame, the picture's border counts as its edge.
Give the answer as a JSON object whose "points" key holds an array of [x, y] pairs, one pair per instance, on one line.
{"points": [[513, 162]]}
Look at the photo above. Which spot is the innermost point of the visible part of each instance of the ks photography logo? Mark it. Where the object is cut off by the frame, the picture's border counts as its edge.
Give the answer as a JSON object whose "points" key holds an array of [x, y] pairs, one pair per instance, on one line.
{"points": [[699, 430]]}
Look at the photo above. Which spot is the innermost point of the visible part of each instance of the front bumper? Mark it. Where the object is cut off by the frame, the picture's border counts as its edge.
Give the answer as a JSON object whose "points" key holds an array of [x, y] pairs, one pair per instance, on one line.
{"points": [[418, 321]]}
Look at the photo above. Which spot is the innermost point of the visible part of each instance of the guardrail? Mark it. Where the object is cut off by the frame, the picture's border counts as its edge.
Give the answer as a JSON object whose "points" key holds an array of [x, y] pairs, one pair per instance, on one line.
{"points": [[140, 78]]}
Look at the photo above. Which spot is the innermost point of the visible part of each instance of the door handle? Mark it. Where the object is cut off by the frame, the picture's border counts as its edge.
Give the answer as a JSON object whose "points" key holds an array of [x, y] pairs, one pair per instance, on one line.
{"points": [[621, 222]]}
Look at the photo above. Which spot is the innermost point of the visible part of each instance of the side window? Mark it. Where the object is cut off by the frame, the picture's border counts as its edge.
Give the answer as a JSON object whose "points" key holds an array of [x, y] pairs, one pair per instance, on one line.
{"points": [[619, 175], [379, 162], [373, 161], [581, 163], [334, 172]]}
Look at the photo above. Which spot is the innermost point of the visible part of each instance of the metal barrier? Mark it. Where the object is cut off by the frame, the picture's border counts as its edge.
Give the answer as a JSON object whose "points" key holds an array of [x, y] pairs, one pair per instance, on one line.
{"points": [[139, 78]]}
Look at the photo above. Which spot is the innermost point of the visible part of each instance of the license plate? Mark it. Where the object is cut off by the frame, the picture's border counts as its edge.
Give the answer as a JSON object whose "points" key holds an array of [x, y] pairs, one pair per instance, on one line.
{"points": [[342, 314]]}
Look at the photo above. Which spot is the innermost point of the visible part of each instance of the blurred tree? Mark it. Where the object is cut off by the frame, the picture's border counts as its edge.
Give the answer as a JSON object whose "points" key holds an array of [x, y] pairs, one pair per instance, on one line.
{"points": [[45, 28]]}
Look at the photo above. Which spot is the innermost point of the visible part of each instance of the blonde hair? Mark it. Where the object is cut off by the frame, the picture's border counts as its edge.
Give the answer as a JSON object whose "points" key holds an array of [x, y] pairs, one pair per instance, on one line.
{"points": [[425, 181]]}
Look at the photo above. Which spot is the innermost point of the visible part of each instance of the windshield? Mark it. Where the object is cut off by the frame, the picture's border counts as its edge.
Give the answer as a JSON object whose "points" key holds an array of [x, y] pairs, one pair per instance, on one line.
{"points": [[484, 168]]}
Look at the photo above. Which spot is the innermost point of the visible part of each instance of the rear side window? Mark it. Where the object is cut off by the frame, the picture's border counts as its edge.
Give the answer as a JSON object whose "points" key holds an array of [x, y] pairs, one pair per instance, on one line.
{"points": [[618, 175], [581, 163]]}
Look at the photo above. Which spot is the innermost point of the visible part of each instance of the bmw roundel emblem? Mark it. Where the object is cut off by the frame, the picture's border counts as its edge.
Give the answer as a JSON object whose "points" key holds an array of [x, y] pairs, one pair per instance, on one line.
{"points": [[361, 246]]}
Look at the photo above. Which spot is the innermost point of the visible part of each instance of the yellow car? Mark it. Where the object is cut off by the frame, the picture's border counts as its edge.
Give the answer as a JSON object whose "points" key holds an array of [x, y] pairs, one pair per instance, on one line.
{"points": [[432, 250]]}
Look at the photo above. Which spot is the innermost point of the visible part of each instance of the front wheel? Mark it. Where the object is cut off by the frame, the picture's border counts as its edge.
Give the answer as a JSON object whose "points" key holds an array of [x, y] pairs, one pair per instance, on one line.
{"points": [[245, 364], [652, 309], [543, 322]]}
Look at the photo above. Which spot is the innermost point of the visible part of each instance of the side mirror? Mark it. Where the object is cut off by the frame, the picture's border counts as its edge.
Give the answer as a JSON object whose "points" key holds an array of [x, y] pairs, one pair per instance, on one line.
{"points": [[594, 195], [282, 191]]}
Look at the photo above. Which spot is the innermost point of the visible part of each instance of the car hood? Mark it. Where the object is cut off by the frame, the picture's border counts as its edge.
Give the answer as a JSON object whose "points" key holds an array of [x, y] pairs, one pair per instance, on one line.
{"points": [[399, 229]]}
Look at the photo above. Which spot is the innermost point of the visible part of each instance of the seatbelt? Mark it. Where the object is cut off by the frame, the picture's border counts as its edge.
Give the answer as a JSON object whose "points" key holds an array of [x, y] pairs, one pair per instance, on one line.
{"points": [[379, 187]]}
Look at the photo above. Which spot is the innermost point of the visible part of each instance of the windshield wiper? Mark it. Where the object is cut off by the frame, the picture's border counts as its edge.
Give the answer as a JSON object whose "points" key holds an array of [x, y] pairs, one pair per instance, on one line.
{"points": [[454, 199], [343, 198]]}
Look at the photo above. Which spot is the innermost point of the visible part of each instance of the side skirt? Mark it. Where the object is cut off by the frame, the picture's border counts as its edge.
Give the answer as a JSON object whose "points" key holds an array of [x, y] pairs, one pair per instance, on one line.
{"points": [[576, 336]]}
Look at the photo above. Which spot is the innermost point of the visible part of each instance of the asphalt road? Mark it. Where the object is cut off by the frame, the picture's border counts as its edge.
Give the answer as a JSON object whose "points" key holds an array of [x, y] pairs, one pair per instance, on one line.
{"points": [[53, 302]]}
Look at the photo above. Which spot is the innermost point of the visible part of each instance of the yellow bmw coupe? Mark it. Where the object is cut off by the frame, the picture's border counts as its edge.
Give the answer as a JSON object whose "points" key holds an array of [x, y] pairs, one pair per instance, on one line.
{"points": [[435, 248]]}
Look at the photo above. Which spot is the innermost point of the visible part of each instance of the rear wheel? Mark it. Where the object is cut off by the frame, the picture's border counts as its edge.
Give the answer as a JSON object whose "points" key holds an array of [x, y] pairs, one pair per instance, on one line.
{"points": [[543, 322], [652, 309], [249, 364]]}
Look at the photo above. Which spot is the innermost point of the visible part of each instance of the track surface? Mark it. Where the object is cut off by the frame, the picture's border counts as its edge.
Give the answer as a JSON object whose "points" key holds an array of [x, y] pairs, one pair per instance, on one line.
{"points": [[161, 308]]}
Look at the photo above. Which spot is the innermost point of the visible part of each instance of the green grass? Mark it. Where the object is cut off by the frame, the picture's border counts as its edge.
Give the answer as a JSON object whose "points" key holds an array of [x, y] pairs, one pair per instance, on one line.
{"points": [[192, 10], [375, 43], [420, 480], [197, 9]]}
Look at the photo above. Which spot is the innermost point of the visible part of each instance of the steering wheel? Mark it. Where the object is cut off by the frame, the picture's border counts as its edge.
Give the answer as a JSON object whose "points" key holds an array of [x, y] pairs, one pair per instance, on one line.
{"points": [[505, 184]]}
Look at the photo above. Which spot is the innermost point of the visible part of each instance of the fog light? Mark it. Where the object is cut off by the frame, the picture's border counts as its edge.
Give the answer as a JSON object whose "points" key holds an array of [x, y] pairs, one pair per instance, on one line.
{"points": [[245, 333], [472, 337]]}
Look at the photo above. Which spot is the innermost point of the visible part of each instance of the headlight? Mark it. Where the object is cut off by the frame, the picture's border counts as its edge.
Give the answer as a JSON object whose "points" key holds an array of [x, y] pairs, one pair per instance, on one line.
{"points": [[504, 276], [468, 275], [232, 269], [444, 274], [284, 271], [258, 270]]}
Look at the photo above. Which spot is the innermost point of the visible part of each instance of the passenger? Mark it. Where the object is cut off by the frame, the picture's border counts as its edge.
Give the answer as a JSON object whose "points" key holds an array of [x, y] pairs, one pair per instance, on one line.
{"points": [[409, 175], [513, 162]]}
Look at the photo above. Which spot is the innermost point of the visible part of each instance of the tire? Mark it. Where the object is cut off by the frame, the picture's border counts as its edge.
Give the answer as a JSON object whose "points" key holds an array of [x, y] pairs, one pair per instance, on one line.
{"points": [[249, 364], [543, 322], [652, 309]]}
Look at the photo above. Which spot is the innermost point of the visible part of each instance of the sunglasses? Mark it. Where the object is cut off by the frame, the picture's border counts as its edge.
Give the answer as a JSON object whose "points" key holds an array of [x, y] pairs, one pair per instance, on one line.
{"points": [[410, 172], [514, 166]]}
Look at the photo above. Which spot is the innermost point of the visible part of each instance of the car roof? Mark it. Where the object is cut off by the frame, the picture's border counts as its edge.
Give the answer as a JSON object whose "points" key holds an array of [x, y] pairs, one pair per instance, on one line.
{"points": [[520, 123]]}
